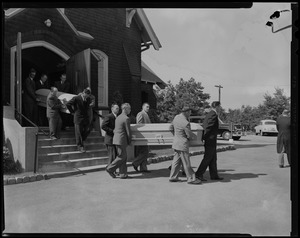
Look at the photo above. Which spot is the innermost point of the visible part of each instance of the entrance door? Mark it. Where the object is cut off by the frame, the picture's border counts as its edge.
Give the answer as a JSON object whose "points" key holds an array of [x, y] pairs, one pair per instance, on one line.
{"points": [[78, 69]]}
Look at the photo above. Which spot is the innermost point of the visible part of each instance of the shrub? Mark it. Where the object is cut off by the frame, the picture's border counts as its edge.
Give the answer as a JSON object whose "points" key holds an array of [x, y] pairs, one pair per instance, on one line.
{"points": [[9, 165]]}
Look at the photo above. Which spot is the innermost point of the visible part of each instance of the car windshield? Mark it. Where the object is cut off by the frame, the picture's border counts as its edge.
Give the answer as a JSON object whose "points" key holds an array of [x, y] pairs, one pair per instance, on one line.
{"points": [[270, 123]]}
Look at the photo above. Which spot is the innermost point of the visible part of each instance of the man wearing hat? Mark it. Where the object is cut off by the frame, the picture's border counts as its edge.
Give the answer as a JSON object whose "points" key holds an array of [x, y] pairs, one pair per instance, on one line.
{"points": [[181, 130], [283, 144], [210, 125]]}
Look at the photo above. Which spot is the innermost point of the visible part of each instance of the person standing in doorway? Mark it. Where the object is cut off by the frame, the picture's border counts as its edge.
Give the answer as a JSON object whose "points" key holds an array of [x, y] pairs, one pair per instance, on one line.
{"points": [[283, 144], [30, 99], [42, 84], [53, 107], [108, 125], [79, 105], [210, 126], [63, 85], [142, 150], [181, 129], [122, 138]]}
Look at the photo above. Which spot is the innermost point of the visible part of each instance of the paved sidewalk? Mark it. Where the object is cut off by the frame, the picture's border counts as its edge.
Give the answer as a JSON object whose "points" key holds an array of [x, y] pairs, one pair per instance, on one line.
{"points": [[253, 198]]}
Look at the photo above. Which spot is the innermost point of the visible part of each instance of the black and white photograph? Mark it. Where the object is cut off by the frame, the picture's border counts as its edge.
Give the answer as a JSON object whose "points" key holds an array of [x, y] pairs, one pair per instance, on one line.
{"points": [[150, 119]]}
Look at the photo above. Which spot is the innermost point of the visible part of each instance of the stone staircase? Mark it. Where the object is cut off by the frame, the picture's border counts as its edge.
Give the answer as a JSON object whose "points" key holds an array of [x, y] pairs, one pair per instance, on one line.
{"points": [[62, 155]]}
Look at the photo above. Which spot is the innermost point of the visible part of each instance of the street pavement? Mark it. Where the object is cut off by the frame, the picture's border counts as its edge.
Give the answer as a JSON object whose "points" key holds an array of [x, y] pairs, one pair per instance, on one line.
{"points": [[253, 198]]}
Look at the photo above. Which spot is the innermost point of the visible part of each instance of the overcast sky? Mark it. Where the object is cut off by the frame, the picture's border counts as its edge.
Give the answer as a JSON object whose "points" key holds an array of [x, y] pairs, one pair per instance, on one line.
{"points": [[229, 47]]}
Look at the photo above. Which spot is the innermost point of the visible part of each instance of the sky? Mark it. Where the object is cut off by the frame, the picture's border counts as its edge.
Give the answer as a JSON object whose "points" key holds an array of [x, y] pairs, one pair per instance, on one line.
{"points": [[229, 47]]}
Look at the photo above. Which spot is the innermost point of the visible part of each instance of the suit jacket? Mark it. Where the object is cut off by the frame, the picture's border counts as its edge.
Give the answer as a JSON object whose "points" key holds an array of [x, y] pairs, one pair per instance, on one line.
{"points": [[39, 85], [210, 126], [283, 125], [53, 106], [29, 91], [63, 87], [80, 109], [142, 118], [122, 131], [108, 125], [181, 129]]}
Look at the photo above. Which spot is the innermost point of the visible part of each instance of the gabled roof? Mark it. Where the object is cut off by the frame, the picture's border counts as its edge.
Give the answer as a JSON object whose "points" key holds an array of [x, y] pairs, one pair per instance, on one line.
{"points": [[149, 76], [148, 34]]}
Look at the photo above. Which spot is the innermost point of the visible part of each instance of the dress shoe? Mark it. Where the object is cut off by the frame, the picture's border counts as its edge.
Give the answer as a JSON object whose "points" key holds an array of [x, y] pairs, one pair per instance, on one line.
{"points": [[196, 181], [53, 138], [145, 171], [135, 168], [125, 177], [175, 180], [288, 165], [82, 150], [281, 166], [201, 178], [110, 173], [217, 178]]}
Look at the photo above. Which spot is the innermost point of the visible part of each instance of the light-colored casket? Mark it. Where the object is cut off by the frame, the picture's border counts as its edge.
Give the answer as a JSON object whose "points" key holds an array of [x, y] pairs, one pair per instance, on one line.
{"points": [[42, 94], [160, 134]]}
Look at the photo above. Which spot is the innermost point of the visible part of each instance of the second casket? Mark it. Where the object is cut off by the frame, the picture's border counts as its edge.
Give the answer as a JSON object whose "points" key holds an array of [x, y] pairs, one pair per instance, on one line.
{"points": [[160, 134], [42, 94]]}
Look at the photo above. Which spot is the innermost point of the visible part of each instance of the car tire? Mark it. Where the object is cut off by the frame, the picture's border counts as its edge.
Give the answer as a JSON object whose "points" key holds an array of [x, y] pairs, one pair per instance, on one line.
{"points": [[226, 135]]}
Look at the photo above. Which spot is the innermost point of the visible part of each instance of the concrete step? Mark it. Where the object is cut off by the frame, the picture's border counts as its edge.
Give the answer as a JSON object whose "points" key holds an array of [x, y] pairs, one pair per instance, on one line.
{"points": [[70, 141], [71, 155], [46, 149], [71, 164], [69, 134]]}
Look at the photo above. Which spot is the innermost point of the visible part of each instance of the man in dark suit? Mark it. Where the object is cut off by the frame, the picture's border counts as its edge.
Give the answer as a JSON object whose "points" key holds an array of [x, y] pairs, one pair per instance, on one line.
{"points": [[108, 125], [210, 125], [53, 107], [283, 145], [42, 84], [63, 86], [122, 138], [79, 105], [29, 98]]}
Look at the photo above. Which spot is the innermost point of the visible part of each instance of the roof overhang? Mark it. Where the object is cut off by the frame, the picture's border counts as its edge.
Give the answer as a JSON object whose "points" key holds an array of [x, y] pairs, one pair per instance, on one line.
{"points": [[148, 34]]}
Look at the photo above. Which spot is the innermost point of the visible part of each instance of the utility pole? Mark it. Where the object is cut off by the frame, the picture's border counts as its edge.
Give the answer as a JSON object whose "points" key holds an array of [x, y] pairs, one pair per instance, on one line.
{"points": [[219, 86]]}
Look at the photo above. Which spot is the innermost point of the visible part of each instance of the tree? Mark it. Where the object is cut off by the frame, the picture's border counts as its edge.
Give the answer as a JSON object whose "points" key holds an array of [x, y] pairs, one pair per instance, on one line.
{"points": [[171, 99], [275, 105]]}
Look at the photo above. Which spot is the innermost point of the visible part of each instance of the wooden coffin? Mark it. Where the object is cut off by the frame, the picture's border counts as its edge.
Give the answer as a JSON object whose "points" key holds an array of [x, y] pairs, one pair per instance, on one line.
{"points": [[42, 94], [160, 134]]}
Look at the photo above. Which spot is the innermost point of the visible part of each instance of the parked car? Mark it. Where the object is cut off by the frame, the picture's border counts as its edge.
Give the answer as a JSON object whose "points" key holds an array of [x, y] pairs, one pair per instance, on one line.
{"points": [[225, 130], [266, 127]]}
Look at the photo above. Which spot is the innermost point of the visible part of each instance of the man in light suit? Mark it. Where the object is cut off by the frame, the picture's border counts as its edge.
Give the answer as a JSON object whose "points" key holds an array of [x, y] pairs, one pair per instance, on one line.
{"points": [[108, 125], [53, 107], [210, 125], [181, 129], [79, 105], [122, 138], [143, 150]]}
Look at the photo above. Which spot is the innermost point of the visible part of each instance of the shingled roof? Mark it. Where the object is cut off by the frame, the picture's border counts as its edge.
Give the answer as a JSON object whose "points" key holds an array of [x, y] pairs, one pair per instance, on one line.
{"points": [[149, 76]]}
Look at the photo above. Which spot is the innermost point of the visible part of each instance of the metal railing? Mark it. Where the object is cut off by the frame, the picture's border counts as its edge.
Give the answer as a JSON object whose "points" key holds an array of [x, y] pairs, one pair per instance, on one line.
{"points": [[36, 137]]}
